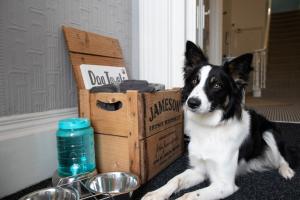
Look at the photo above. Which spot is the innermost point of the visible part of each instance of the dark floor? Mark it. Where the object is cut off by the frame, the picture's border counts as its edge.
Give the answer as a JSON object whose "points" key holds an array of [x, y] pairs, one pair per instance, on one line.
{"points": [[278, 109], [255, 186]]}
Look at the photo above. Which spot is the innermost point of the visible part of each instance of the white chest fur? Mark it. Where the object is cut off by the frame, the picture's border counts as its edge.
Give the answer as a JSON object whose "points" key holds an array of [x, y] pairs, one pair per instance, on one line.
{"points": [[212, 140]]}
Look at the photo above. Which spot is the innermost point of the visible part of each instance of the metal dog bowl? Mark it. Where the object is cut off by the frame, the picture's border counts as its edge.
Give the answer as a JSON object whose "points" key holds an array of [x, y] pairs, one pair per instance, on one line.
{"points": [[53, 193], [113, 183], [77, 182]]}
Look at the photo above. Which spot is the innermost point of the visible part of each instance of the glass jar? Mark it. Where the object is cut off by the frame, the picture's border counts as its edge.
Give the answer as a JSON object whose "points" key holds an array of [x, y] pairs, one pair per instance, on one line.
{"points": [[75, 147]]}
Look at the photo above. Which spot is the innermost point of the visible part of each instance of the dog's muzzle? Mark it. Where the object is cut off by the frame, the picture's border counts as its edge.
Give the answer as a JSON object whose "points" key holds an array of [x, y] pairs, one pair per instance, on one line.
{"points": [[193, 103]]}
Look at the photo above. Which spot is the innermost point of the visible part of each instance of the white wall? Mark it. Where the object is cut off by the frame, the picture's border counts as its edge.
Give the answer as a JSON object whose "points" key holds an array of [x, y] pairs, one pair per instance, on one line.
{"points": [[28, 148], [26, 161]]}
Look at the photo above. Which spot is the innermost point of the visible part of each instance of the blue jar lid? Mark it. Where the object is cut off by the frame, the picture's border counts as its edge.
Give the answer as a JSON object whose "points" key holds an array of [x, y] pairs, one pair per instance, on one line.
{"points": [[74, 123]]}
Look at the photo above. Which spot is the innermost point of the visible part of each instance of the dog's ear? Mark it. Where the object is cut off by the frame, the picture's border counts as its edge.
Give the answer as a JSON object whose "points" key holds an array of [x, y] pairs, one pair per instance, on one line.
{"points": [[193, 55], [239, 68]]}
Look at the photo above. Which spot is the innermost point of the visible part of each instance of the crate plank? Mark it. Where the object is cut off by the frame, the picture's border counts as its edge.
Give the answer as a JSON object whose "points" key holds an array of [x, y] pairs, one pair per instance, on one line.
{"points": [[144, 162], [162, 110], [80, 41], [84, 104], [111, 153], [111, 122], [161, 149], [135, 121], [78, 59]]}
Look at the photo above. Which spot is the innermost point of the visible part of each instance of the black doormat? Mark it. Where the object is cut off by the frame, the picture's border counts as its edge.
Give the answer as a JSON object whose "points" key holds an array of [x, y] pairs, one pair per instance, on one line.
{"points": [[267, 185]]}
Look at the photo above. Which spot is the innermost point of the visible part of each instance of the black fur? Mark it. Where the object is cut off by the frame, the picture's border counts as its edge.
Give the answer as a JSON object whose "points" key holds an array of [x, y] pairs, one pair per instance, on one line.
{"points": [[195, 59], [228, 89], [237, 68], [254, 145]]}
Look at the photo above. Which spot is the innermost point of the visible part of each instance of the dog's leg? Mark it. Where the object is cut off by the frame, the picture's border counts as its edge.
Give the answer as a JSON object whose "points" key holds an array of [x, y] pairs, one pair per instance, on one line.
{"points": [[275, 158], [212, 192], [188, 178], [222, 176], [271, 158]]}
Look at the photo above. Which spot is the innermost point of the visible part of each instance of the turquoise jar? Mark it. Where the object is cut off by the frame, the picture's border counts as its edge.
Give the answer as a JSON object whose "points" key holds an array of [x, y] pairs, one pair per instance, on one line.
{"points": [[75, 147]]}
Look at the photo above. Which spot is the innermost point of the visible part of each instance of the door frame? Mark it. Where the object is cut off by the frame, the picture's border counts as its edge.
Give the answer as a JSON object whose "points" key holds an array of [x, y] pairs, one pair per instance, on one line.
{"points": [[180, 24]]}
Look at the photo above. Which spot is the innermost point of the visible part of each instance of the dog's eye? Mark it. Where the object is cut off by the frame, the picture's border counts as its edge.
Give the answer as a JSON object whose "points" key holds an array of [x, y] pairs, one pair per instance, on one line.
{"points": [[217, 85], [194, 82]]}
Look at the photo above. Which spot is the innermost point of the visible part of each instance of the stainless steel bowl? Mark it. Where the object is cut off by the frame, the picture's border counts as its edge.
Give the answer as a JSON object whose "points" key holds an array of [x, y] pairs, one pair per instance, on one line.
{"points": [[53, 193], [113, 183], [74, 181]]}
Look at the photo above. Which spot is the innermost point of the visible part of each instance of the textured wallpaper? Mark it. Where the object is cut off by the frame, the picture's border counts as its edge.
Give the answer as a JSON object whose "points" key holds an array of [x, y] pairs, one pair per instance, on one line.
{"points": [[35, 72]]}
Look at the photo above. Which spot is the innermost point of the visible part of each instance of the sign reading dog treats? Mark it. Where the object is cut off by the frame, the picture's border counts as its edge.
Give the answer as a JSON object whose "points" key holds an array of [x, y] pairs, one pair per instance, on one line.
{"points": [[97, 75]]}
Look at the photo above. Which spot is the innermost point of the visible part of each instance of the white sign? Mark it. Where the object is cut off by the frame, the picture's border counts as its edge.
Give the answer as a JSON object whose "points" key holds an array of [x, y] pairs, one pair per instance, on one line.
{"points": [[97, 75]]}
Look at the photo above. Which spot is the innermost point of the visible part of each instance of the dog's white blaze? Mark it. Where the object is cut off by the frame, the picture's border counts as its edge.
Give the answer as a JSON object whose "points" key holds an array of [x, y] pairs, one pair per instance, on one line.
{"points": [[199, 92], [203, 75]]}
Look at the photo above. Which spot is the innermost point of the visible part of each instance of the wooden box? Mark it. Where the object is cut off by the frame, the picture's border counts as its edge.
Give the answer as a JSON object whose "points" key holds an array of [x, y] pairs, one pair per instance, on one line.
{"points": [[145, 134]]}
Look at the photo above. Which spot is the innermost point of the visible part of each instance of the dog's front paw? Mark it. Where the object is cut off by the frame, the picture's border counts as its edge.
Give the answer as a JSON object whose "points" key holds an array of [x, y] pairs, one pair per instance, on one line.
{"points": [[286, 171], [155, 195]]}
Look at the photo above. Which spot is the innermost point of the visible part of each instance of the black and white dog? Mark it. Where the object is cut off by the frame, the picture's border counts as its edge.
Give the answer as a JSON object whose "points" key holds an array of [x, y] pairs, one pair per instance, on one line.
{"points": [[226, 139]]}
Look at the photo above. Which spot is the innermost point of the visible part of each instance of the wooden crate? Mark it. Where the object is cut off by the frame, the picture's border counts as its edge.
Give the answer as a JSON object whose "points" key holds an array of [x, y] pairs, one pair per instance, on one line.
{"points": [[146, 133]]}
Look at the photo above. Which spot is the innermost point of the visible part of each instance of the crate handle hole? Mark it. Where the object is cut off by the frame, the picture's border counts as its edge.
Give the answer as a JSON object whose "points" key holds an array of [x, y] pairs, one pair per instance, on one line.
{"points": [[109, 106]]}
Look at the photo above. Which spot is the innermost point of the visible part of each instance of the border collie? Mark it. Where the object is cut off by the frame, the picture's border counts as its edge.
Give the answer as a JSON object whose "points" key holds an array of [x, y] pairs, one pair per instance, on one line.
{"points": [[226, 139]]}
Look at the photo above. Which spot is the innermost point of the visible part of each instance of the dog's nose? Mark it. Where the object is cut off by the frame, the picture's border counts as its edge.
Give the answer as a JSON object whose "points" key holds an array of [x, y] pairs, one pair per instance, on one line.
{"points": [[193, 102]]}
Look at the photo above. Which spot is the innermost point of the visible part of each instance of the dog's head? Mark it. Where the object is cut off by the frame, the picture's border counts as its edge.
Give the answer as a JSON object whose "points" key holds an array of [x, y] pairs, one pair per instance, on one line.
{"points": [[209, 87]]}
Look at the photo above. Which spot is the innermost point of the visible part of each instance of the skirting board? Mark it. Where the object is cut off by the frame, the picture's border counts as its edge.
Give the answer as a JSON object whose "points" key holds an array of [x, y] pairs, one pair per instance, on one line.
{"points": [[32, 123], [28, 148]]}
